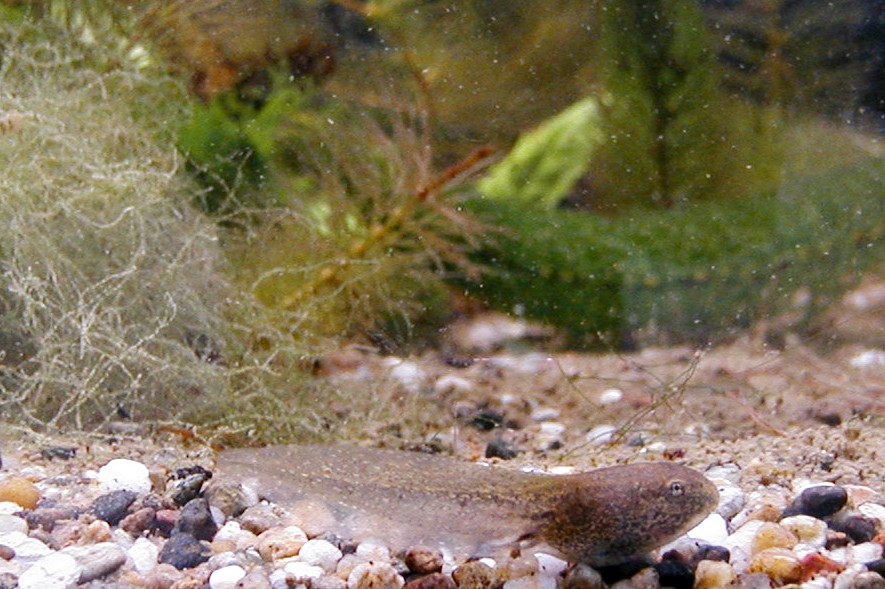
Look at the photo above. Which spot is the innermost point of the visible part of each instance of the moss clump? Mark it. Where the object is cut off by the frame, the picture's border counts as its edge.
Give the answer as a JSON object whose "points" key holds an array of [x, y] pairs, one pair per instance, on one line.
{"points": [[115, 295]]}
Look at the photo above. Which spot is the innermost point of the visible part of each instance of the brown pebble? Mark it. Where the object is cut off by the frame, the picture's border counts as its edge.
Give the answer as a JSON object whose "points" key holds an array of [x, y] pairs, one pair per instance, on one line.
{"points": [[6, 552], [20, 491], [166, 520], [476, 575], [95, 532], [816, 563], [161, 576], [779, 564], [772, 535], [423, 560], [431, 581], [140, 520], [260, 518], [582, 576]]}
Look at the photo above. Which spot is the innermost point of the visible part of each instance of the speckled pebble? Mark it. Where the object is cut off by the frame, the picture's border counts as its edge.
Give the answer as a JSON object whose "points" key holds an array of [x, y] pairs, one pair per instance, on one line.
{"points": [[185, 484], [231, 498], [8, 581], [123, 474], [53, 571], [96, 560], [226, 577], [423, 560], [476, 575], [20, 491], [320, 553], [112, 507], [374, 575], [280, 543], [582, 576], [779, 564], [711, 574]]}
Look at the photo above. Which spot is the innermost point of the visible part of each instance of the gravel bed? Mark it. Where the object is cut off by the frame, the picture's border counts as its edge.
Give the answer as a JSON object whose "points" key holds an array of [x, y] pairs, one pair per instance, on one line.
{"points": [[146, 522]]}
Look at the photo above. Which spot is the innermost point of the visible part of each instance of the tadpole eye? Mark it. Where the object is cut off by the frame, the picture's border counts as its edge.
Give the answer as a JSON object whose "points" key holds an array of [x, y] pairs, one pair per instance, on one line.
{"points": [[677, 488]]}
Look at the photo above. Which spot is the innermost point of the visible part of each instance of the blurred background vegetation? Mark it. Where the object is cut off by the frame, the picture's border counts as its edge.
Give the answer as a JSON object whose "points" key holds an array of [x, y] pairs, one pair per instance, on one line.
{"points": [[205, 195]]}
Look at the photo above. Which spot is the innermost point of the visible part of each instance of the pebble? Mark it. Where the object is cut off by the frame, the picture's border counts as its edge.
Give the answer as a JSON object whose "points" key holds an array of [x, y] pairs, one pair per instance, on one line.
{"points": [[196, 520], [13, 523], [374, 575], [328, 582], [610, 396], [301, 572], [550, 565], [27, 550], [476, 574], [647, 578], [818, 501], [601, 434], [809, 530], [675, 574], [582, 576], [431, 581], [259, 580], [873, 511], [183, 551], [46, 518], [6, 552], [778, 564], [712, 574], [144, 554], [114, 506], [96, 560], [8, 581], [409, 375], [280, 543], [231, 498], [713, 529], [501, 448], [226, 577], [123, 474], [868, 580], [20, 491], [260, 518], [732, 498], [857, 527], [449, 383], [320, 553], [53, 571], [772, 535]]}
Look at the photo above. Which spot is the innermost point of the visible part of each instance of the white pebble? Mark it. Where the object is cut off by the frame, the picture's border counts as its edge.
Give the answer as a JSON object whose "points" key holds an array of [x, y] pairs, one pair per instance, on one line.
{"points": [[740, 544], [9, 508], [409, 375], [143, 555], [610, 396], [550, 565], [301, 571], [372, 550], [712, 530], [226, 577], [810, 530], [868, 358], [374, 575], [729, 471], [654, 448], [845, 579], [12, 523], [27, 550], [53, 571], [865, 552], [552, 428], [124, 474], [449, 383], [601, 434], [320, 553], [545, 414]]}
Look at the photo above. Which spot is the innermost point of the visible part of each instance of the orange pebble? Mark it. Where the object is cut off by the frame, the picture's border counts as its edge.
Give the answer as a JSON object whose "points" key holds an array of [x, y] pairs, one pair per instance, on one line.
{"points": [[20, 491]]}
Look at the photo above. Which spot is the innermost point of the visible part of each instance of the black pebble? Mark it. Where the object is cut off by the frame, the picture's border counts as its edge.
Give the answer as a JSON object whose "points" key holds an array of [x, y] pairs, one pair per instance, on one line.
{"points": [[114, 506], [616, 572], [876, 566], [818, 501], [857, 527], [501, 448], [183, 551], [196, 520], [486, 420], [675, 574]]}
